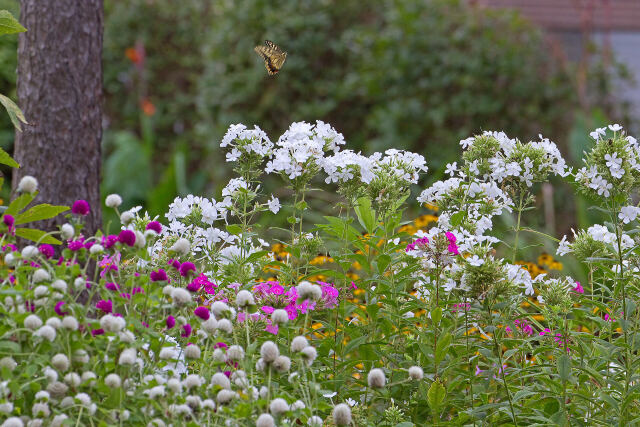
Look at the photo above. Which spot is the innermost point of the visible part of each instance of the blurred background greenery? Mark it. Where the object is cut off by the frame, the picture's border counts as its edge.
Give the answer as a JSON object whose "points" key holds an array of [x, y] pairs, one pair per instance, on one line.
{"points": [[411, 74]]}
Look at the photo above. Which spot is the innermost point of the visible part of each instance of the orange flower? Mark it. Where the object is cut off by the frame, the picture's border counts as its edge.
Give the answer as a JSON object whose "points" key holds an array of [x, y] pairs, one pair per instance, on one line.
{"points": [[147, 107], [133, 55]]}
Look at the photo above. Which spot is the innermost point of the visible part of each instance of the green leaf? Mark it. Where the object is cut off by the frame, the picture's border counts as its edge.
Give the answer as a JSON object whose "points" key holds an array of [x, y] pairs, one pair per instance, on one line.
{"points": [[443, 345], [456, 218], [6, 159], [15, 114], [37, 236], [436, 315], [40, 212], [234, 229], [9, 346], [20, 203], [383, 263], [9, 24], [366, 215], [564, 367], [435, 395]]}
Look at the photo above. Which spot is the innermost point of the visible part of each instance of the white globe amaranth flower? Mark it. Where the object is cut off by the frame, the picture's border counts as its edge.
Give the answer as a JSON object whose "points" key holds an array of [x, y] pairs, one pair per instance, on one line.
{"points": [[167, 353], [13, 422], [180, 296], [210, 325], [57, 389], [127, 217], [59, 285], [127, 337], [8, 362], [309, 354], [6, 407], [342, 414], [127, 357], [225, 396], [88, 377], [155, 392], [182, 246], [225, 325], [60, 362], [299, 343], [32, 322], [282, 364], [192, 352], [244, 299], [219, 355], [28, 184], [235, 352], [376, 378], [279, 316], [29, 252], [193, 401], [113, 201], [80, 283], [46, 332], [220, 309], [73, 379], [278, 406], [174, 385], [141, 240], [96, 249], [220, 379], [113, 381], [40, 409], [40, 291], [50, 374], [58, 420], [111, 323], [308, 291], [269, 351], [67, 231], [40, 275], [208, 404], [10, 259], [315, 421], [416, 373], [80, 356]]}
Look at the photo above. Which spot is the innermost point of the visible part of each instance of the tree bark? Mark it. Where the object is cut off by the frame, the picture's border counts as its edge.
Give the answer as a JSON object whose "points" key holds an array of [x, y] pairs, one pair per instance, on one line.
{"points": [[60, 92]]}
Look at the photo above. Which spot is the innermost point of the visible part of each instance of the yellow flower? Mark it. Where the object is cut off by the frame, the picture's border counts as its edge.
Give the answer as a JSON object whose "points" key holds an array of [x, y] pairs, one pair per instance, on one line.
{"points": [[555, 265], [545, 259]]}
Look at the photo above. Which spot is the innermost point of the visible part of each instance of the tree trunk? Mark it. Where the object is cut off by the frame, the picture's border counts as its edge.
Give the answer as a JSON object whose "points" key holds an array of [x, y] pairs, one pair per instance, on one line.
{"points": [[60, 92]]}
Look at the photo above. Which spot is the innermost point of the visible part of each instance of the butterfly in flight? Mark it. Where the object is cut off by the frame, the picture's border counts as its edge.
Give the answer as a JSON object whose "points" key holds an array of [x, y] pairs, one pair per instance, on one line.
{"points": [[273, 56]]}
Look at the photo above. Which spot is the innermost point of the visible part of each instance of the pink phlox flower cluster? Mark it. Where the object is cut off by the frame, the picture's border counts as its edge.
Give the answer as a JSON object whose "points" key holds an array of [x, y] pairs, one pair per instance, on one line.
{"points": [[578, 288], [330, 295], [523, 326], [463, 306], [421, 242]]}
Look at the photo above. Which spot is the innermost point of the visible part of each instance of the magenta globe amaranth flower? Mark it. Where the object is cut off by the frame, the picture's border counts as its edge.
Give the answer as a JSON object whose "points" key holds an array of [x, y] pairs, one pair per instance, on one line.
{"points": [[171, 322], [47, 250], [127, 237], [80, 207], [8, 220], [186, 268], [105, 305], [58, 309], [158, 276], [202, 312], [186, 331], [155, 226]]}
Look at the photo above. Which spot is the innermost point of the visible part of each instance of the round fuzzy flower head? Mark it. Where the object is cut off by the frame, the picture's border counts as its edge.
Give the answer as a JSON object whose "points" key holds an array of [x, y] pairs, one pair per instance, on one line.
{"points": [[186, 268], [278, 406], [269, 351], [28, 184], [81, 207], [376, 378], [202, 312], [265, 420], [158, 276], [113, 201], [154, 226], [416, 373], [342, 414], [127, 237]]}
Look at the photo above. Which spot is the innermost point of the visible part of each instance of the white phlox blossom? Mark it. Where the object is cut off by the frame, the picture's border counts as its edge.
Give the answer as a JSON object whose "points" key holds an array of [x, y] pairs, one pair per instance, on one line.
{"points": [[241, 140]]}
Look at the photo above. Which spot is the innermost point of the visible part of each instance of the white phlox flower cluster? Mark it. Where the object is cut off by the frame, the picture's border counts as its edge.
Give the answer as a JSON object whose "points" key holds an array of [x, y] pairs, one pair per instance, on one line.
{"points": [[241, 140]]}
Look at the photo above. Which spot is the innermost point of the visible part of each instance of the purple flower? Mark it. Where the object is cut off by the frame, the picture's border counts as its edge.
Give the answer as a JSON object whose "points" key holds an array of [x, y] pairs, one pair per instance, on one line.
{"points": [[76, 245], [127, 237], [174, 263], [202, 312], [97, 332], [47, 250], [193, 286], [578, 288], [8, 221], [453, 248], [186, 331], [80, 207], [171, 322], [58, 308], [105, 305], [158, 276], [155, 226], [450, 237], [112, 286], [187, 267], [109, 241]]}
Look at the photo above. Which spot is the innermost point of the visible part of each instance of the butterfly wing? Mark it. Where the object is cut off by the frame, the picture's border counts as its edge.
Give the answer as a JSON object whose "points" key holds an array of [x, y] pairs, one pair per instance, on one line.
{"points": [[272, 55]]}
